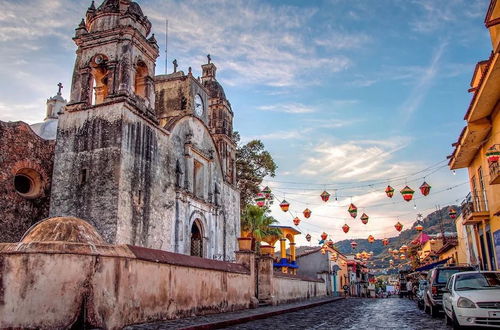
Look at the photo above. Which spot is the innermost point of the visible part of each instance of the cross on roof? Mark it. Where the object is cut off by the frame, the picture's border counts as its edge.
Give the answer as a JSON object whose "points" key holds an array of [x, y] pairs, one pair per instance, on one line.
{"points": [[60, 85]]}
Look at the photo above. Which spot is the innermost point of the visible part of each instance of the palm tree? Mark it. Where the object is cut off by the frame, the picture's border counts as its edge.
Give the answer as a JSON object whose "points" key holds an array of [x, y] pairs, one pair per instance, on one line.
{"points": [[256, 222]]}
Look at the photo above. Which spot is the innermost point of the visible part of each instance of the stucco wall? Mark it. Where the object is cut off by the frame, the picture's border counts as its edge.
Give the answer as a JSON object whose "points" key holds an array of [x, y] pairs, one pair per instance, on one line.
{"points": [[292, 288], [118, 285]]}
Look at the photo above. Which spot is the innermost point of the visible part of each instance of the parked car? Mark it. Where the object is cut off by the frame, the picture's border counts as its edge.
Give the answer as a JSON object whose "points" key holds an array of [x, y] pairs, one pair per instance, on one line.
{"points": [[437, 279], [472, 299], [422, 284]]}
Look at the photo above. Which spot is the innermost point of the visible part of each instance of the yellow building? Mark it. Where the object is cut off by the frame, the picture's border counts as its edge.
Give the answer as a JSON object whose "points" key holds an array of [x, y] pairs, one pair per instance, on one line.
{"points": [[481, 208], [462, 247], [427, 252]]}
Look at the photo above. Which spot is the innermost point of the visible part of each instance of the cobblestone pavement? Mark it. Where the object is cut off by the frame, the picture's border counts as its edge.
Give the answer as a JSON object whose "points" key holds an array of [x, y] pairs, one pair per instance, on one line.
{"points": [[353, 313]]}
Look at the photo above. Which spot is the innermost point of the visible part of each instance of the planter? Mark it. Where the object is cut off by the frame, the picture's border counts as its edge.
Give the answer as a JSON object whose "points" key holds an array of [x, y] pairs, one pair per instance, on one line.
{"points": [[245, 244], [267, 250]]}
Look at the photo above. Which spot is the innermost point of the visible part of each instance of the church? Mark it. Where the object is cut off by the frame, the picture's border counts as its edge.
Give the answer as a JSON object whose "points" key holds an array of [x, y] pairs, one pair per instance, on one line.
{"points": [[148, 160]]}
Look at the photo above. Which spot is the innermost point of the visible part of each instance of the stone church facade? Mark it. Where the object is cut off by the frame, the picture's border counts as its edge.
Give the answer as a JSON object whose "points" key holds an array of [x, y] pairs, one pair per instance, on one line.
{"points": [[147, 159]]}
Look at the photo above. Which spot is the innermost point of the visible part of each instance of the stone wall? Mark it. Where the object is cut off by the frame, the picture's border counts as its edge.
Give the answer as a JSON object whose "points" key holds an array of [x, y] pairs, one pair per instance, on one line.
{"points": [[22, 149], [44, 286], [287, 288]]}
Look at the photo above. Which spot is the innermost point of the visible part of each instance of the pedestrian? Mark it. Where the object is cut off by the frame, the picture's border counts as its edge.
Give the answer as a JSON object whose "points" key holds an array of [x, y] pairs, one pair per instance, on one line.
{"points": [[409, 289]]}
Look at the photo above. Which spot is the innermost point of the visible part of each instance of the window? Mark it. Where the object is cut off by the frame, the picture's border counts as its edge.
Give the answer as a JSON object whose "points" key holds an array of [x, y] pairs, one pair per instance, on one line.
{"points": [[141, 73], [196, 239], [198, 179], [28, 183], [100, 74]]}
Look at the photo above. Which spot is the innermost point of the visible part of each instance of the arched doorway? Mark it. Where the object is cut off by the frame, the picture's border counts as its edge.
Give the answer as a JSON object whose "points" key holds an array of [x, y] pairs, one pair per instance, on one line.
{"points": [[196, 239]]}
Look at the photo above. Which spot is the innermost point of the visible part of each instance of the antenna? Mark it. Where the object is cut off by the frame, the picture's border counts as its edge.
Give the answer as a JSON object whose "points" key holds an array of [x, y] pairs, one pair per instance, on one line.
{"points": [[166, 45]]}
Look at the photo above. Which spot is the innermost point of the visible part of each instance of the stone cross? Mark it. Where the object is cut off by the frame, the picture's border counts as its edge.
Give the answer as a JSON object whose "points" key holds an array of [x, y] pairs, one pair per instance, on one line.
{"points": [[209, 58], [175, 65], [60, 87]]}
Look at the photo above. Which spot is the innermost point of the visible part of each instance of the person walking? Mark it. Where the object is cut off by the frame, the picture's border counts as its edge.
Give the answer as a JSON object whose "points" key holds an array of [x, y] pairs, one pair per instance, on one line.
{"points": [[409, 289]]}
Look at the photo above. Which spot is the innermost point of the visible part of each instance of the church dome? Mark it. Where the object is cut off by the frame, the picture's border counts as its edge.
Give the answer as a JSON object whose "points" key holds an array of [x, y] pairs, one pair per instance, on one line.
{"points": [[215, 89], [63, 229]]}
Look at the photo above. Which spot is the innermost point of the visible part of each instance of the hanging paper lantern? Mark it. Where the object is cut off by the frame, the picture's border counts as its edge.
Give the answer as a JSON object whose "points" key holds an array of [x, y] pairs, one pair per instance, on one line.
{"points": [[345, 228], [452, 213], [260, 200], [364, 218], [296, 221], [308, 237], [407, 193], [324, 236], [425, 189], [354, 244], [419, 227], [390, 250], [389, 191], [267, 192], [402, 257], [358, 255], [493, 154], [325, 196], [284, 206], [404, 247], [307, 213], [398, 226], [371, 239], [323, 251], [385, 241], [353, 210], [329, 243]]}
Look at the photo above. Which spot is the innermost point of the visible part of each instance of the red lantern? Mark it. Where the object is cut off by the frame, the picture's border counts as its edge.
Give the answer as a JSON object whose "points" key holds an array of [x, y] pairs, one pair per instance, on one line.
{"points": [[493, 154], [364, 218], [385, 241], [371, 239], [419, 227], [353, 210], [389, 191], [324, 236], [267, 192], [398, 226], [325, 196], [296, 221], [345, 228], [329, 243], [308, 237], [354, 244], [425, 189], [307, 213], [407, 193], [452, 213], [284, 206], [260, 200]]}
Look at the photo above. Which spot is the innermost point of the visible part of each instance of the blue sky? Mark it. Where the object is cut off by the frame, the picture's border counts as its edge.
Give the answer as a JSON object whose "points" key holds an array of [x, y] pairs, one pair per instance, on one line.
{"points": [[340, 91]]}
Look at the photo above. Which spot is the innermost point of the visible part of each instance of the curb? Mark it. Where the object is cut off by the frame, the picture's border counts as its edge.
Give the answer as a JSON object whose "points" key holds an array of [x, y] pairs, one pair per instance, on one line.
{"points": [[230, 322]]}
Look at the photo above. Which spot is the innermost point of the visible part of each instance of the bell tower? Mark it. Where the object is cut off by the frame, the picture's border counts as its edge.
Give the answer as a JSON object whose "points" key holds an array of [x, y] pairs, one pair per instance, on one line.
{"points": [[107, 138], [220, 120]]}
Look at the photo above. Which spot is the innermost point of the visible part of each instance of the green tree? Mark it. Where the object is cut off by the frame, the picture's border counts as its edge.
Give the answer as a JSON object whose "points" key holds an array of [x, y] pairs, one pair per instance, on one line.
{"points": [[253, 163], [257, 222]]}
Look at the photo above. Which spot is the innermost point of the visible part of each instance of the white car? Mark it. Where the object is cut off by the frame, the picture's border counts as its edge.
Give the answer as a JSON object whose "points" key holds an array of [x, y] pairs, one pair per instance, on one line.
{"points": [[472, 299]]}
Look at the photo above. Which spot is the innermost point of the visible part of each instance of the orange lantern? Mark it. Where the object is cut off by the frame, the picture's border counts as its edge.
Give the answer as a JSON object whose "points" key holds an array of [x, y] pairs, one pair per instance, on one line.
{"points": [[325, 196], [371, 239], [307, 213], [353, 210], [404, 248], [389, 191], [452, 213], [329, 243], [407, 193], [385, 241], [425, 189], [402, 257], [324, 236], [345, 228], [296, 221], [284, 206], [419, 227], [398, 226], [364, 218]]}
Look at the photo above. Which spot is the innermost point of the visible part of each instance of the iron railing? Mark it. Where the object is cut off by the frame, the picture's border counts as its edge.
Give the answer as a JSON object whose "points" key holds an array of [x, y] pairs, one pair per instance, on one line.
{"points": [[494, 171], [473, 203]]}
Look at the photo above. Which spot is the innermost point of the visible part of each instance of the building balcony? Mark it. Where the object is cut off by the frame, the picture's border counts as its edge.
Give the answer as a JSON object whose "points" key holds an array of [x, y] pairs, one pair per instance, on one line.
{"points": [[495, 173], [474, 209]]}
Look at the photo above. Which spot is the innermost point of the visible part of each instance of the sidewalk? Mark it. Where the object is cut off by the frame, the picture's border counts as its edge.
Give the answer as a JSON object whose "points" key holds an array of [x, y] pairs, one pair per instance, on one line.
{"points": [[214, 321]]}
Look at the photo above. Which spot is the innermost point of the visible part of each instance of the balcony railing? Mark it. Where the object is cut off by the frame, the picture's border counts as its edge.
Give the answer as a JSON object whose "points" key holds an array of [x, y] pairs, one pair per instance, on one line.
{"points": [[495, 173], [474, 208]]}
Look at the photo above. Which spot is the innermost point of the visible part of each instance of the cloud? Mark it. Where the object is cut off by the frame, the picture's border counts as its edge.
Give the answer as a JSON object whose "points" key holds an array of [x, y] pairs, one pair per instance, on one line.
{"points": [[288, 108], [426, 79]]}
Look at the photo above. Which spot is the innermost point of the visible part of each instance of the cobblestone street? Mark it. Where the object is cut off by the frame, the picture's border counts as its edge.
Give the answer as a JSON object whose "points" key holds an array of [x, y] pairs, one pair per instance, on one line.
{"points": [[353, 313]]}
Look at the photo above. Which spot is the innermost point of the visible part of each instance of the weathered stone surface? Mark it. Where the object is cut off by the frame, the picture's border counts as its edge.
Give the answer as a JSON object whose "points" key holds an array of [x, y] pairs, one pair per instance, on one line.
{"points": [[21, 148]]}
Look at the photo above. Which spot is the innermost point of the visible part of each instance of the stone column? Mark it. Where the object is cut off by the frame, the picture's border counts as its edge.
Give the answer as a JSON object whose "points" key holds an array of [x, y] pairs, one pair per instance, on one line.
{"points": [[283, 254], [265, 280], [293, 256], [247, 259]]}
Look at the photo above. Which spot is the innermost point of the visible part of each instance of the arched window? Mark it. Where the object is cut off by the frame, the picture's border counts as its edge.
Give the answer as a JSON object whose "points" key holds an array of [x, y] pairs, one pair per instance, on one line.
{"points": [[196, 239], [100, 74], [141, 73]]}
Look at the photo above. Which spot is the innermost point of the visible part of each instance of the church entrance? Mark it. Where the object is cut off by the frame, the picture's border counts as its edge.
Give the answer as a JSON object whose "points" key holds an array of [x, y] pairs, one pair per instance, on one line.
{"points": [[196, 240]]}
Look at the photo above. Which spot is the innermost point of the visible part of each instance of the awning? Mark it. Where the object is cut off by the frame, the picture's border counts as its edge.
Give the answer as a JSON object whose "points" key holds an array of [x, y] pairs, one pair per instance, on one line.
{"points": [[430, 266]]}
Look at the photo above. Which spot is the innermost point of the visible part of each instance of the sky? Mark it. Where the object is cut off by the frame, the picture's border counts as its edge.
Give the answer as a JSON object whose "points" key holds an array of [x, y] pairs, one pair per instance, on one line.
{"points": [[348, 96]]}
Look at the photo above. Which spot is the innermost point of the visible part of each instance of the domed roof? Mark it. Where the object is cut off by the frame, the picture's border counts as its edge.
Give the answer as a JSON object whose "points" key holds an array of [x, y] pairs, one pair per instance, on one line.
{"points": [[63, 229], [215, 89]]}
